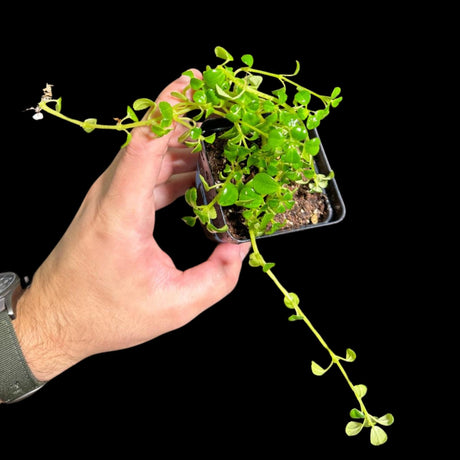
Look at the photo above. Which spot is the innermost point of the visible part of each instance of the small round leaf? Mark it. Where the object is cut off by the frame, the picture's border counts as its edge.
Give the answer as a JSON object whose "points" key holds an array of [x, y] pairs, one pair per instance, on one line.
{"points": [[386, 420], [355, 413], [87, 124], [351, 355], [360, 390], [143, 103], [292, 301], [317, 369], [265, 184], [378, 436], [353, 428], [248, 60], [229, 195]]}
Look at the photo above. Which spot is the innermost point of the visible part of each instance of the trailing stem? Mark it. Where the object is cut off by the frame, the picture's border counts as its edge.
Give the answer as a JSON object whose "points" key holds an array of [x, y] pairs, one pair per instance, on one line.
{"points": [[291, 300], [268, 148]]}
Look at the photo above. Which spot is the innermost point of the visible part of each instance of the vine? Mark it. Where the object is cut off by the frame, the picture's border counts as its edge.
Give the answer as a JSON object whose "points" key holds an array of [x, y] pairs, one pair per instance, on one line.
{"points": [[269, 152]]}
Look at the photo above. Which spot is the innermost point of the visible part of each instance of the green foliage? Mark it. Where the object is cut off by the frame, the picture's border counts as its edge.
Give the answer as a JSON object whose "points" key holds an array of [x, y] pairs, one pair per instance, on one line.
{"points": [[377, 434], [89, 124], [270, 135], [269, 151]]}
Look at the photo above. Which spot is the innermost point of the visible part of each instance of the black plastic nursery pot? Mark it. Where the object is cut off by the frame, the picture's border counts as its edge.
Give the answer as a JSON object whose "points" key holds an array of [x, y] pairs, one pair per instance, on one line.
{"points": [[334, 205]]}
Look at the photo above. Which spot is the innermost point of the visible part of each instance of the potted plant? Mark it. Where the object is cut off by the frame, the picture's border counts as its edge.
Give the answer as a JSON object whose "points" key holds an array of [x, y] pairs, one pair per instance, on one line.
{"points": [[306, 209], [261, 163]]}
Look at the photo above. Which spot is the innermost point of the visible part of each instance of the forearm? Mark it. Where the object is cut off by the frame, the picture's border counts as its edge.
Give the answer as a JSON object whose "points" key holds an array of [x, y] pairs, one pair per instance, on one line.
{"points": [[41, 332]]}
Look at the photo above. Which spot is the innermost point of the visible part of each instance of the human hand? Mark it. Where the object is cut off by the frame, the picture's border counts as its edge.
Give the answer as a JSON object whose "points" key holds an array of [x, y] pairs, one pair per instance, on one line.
{"points": [[107, 285]]}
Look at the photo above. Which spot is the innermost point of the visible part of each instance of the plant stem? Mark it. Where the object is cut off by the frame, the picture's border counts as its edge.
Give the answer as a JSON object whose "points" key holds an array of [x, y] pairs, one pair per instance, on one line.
{"points": [[118, 127], [335, 359], [283, 78]]}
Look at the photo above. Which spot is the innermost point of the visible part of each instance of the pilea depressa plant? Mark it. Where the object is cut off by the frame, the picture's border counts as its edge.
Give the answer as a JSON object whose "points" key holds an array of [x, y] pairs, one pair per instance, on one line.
{"points": [[269, 152]]}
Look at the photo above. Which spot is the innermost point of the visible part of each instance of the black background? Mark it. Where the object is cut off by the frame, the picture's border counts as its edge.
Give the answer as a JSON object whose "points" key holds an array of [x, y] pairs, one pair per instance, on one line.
{"points": [[235, 381]]}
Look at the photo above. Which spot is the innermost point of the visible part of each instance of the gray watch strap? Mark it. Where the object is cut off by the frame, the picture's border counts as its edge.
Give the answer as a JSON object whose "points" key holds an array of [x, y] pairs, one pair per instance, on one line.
{"points": [[16, 380]]}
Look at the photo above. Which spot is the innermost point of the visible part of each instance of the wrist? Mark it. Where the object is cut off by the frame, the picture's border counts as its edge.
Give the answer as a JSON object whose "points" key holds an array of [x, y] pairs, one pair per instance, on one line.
{"points": [[40, 335]]}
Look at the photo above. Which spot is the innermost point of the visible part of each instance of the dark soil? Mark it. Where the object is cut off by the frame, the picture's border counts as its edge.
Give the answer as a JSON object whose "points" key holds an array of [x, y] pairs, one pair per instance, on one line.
{"points": [[309, 208]]}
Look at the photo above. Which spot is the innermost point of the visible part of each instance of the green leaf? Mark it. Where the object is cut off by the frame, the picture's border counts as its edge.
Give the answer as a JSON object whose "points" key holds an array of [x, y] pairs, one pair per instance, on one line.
{"points": [[303, 112], [196, 83], [378, 436], [299, 132], [228, 195], [234, 114], [295, 318], [211, 96], [188, 73], [292, 157], [206, 186], [386, 419], [248, 60], [276, 138], [205, 213], [210, 139], [213, 229], [317, 369], [311, 147], [256, 260], [159, 131], [265, 184], [292, 301], [180, 96], [255, 80], [222, 53], [336, 91], [280, 94], [189, 220], [355, 413], [249, 198], [302, 97], [351, 355], [313, 122], [321, 114], [128, 139], [90, 121], [214, 78], [268, 106], [336, 102], [191, 196], [131, 114], [360, 390], [58, 105], [166, 111], [200, 97], [195, 133], [197, 147], [268, 266], [353, 428], [143, 103]]}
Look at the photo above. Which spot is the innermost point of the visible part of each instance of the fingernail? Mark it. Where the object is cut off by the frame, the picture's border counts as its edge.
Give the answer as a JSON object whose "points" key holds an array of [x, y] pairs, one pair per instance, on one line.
{"points": [[244, 250]]}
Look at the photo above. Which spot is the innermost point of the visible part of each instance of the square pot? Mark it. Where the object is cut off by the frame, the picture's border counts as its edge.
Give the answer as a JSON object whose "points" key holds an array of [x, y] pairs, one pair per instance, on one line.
{"points": [[334, 202]]}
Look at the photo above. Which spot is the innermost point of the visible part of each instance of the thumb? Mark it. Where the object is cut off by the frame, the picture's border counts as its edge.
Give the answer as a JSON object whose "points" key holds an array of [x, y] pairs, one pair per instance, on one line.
{"points": [[209, 282]]}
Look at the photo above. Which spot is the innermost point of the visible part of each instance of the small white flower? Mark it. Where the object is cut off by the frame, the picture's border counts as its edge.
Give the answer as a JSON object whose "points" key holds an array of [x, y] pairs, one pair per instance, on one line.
{"points": [[38, 115]]}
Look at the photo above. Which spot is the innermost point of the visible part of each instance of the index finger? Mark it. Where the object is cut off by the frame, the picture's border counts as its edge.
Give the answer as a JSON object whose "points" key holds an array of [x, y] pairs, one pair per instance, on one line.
{"points": [[139, 163]]}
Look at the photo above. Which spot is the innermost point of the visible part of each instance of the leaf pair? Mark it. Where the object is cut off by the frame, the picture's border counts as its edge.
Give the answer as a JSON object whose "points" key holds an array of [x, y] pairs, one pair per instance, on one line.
{"points": [[318, 370], [256, 260], [378, 435]]}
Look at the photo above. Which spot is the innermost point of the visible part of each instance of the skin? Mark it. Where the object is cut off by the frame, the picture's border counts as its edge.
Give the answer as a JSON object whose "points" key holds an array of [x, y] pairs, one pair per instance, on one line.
{"points": [[107, 285]]}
